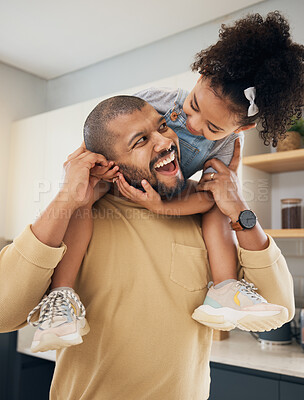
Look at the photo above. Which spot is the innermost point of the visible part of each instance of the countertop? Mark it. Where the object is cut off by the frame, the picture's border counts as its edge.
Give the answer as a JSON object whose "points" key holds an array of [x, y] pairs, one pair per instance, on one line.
{"points": [[241, 350]]}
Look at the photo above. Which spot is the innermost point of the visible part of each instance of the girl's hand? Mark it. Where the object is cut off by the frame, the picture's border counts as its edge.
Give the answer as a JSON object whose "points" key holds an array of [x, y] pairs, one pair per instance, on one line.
{"points": [[105, 172], [149, 199]]}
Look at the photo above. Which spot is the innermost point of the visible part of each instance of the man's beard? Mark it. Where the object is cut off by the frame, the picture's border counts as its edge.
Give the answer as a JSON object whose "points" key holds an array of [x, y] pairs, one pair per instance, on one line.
{"points": [[135, 175]]}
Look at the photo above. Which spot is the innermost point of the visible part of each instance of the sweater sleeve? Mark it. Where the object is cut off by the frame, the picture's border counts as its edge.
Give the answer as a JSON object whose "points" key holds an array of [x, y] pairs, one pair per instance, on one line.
{"points": [[268, 271], [26, 267]]}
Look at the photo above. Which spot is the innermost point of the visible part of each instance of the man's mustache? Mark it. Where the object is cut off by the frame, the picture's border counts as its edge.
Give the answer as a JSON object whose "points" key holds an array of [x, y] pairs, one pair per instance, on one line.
{"points": [[161, 155]]}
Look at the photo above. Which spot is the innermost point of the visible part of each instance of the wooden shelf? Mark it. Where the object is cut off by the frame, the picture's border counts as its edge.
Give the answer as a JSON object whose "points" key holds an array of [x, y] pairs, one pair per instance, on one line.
{"points": [[282, 161], [285, 233]]}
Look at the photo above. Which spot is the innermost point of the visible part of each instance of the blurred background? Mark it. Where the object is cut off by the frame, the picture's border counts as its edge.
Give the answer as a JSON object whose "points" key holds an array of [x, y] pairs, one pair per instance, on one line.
{"points": [[57, 61]]}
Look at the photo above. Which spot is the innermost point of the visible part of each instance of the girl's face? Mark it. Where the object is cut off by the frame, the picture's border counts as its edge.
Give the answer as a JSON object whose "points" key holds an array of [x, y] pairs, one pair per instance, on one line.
{"points": [[209, 115]]}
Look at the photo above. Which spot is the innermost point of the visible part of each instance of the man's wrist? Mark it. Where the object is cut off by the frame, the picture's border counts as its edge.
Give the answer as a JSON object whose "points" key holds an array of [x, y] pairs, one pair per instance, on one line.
{"points": [[234, 215]]}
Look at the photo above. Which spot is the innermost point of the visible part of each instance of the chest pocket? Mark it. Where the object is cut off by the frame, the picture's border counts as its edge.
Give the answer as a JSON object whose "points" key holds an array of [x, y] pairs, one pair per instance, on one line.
{"points": [[189, 267]]}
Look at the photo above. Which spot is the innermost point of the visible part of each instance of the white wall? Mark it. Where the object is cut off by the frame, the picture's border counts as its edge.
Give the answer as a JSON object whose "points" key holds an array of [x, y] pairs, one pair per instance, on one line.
{"points": [[164, 58], [21, 95]]}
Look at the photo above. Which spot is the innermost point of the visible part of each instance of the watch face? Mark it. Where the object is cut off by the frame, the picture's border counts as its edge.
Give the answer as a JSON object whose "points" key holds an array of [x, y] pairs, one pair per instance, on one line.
{"points": [[247, 219]]}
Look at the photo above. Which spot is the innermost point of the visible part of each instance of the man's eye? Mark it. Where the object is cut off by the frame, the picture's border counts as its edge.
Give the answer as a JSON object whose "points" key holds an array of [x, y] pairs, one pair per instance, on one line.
{"points": [[163, 127], [192, 106], [141, 140]]}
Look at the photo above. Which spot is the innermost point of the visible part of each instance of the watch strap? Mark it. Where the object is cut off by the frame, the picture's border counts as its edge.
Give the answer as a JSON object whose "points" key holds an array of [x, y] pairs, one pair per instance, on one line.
{"points": [[236, 226]]}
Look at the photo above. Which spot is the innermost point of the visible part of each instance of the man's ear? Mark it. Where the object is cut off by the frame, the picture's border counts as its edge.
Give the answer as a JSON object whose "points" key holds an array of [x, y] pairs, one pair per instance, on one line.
{"points": [[245, 127]]}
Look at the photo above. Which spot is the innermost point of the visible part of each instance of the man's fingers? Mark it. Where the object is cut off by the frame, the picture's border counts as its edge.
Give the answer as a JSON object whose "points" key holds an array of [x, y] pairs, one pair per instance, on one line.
{"points": [[211, 176], [205, 186], [93, 158], [216, 164], [76, 153], [235, 161]]}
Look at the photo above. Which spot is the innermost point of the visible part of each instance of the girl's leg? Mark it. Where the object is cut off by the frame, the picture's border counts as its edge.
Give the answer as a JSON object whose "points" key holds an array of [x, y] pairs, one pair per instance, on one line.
{"points": [[221, 244], [62, 320], [231, 303], [77, 239]]}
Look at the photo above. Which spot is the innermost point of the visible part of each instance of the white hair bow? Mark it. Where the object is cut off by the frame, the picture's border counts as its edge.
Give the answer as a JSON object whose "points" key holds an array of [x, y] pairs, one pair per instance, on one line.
{"points": [[250, 95]]}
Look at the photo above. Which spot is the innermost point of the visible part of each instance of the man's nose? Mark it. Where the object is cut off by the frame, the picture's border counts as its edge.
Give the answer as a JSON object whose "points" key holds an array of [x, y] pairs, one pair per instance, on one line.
{"points": [[162, 143]]}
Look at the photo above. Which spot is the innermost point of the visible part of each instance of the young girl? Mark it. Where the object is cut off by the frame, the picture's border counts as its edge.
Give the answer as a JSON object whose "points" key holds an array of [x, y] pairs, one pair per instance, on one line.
{"points": [[254, 73]]}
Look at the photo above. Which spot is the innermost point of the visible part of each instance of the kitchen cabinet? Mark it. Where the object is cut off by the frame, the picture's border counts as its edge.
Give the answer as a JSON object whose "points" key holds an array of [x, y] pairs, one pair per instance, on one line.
{"points": [[233, 383], [63, 135], [26, 173], [39, 147], [22, 377], [291, 390], [279, 162]]}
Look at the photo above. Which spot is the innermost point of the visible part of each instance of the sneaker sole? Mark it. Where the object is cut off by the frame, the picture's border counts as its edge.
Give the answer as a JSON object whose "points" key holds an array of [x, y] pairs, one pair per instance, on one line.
{"points": [[226, 319], [50, 341]]}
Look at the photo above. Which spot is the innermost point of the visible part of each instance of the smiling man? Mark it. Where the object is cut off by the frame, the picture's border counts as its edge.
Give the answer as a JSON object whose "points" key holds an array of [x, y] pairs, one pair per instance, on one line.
{"points": [[142, 275], [138, 139]]}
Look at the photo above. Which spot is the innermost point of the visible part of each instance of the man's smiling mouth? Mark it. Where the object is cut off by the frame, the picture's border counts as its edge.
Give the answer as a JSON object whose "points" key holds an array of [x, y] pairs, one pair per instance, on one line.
{"points": [[168, 165]]}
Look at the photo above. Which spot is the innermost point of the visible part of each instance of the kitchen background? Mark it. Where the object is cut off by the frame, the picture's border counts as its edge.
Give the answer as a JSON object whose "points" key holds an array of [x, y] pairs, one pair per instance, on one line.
{"points": [[51, 109]]}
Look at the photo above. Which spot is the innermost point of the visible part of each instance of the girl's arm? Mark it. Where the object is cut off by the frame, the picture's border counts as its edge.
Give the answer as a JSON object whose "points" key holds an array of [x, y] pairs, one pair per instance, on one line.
{"points": [[186, 203], [79, 230]]}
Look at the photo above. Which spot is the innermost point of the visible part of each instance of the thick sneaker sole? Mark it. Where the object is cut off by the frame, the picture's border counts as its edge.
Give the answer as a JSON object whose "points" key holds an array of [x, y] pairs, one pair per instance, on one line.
{"points": [[50, 341], [226, 319]]}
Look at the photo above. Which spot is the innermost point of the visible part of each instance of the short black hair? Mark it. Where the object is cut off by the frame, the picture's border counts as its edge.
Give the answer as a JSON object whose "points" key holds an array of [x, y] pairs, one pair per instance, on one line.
{"points": [[259, 52], [97, 136]]}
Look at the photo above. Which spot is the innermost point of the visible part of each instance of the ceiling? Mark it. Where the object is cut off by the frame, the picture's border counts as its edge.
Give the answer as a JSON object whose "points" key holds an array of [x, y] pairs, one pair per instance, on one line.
{"points": [[52, 38]]}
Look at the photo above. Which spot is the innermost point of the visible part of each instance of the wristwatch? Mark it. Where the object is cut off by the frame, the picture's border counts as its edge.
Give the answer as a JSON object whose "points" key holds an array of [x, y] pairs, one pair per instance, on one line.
{"points": [[247, 220]]}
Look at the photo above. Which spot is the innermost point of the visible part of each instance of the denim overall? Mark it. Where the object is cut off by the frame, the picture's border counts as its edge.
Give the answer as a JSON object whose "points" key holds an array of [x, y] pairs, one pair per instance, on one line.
{"points": [[194, 149]]}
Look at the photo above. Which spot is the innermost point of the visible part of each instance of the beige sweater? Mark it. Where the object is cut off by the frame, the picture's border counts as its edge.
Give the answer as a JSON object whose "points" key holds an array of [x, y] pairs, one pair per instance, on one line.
{"points": [[141, 279]]}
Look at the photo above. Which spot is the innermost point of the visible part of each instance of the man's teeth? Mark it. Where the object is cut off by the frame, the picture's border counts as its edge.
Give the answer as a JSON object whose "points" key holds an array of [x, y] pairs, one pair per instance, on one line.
{"points": [[165, 161]]}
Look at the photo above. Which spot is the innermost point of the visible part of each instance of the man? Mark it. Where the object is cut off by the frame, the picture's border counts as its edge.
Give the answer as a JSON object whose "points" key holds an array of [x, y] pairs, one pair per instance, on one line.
{"points": [[142, 276]]}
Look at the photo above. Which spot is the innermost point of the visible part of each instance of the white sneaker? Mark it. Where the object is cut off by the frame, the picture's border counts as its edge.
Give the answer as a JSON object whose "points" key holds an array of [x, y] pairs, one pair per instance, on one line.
{"points": [[237, 304], [61, 321]]}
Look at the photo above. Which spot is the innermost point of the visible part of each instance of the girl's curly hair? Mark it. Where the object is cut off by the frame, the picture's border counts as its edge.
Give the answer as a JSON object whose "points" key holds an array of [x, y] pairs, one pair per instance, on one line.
{"points": [[258, 52]]}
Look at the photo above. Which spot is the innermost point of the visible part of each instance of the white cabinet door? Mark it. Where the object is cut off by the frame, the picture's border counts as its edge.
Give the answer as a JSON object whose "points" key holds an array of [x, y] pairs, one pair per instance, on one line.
{"points": [[63, 136], [26, 174]]}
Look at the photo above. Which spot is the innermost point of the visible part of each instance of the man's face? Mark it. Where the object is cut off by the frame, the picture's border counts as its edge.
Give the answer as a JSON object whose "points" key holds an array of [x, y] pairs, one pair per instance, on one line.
{"points": [[146, 148]]}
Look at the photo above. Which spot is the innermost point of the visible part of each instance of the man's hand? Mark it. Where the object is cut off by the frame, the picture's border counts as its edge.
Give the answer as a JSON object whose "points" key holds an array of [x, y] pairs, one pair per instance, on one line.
{"points": [[225, 185], [149, 199], [83, 171]]}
